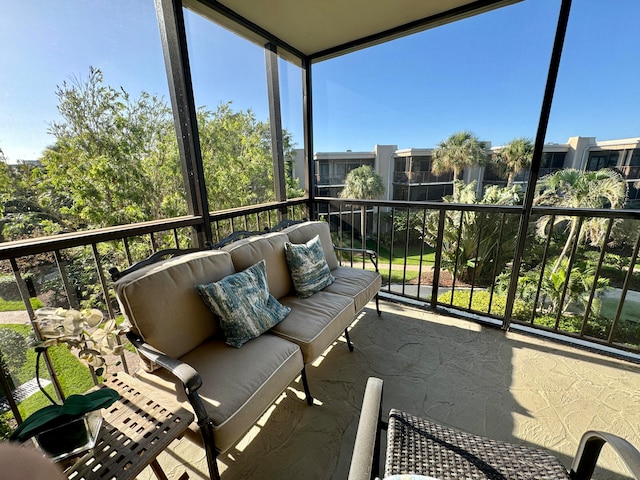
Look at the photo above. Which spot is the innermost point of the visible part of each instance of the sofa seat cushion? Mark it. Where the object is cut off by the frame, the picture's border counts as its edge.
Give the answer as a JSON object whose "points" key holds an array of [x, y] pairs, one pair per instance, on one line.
{"points": [[161, 300], [235, 382], [315, 322], [361, 285]]}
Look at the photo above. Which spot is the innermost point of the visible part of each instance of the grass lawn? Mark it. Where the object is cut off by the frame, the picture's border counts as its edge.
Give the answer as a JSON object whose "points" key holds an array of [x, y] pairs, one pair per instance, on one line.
{"points": [[15, 305]]}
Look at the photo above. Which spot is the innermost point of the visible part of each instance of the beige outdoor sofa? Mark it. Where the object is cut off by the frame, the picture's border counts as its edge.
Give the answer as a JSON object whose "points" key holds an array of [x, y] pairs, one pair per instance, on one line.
{"points": [[230, 388]]}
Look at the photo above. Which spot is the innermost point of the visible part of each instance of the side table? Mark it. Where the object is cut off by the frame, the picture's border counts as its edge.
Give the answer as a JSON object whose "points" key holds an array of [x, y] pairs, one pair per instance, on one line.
{"points": [[135, 430]]}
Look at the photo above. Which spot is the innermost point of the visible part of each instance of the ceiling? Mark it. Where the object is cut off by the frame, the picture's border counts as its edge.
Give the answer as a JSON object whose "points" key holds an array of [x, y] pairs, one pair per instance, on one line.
{"points": [[320, 29]]}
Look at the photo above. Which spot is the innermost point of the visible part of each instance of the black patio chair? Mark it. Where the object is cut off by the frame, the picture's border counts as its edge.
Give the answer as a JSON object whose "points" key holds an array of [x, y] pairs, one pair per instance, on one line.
{"points": [[422, 447]]}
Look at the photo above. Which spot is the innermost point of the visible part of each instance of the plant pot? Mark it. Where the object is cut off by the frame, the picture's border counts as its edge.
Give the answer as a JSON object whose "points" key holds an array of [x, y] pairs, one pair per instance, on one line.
{"points": [[70, 438]]}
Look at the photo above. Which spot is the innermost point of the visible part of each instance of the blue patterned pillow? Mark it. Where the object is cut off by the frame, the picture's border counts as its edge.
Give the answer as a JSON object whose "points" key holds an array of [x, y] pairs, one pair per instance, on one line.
{"points": [[308, 267], [244, 304]]}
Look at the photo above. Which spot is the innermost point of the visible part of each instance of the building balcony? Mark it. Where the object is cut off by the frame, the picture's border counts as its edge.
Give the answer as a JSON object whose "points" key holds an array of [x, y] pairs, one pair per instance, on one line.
{"points": [[420, 177], [511, 378]]}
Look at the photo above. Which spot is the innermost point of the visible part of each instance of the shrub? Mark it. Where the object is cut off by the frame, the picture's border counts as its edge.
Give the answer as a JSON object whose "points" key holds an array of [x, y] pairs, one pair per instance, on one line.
{"points": [[9, 288]]}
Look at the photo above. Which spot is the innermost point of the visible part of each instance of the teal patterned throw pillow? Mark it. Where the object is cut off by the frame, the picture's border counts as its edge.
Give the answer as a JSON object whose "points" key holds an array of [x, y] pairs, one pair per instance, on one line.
{"points": [[308, 267], [244, 304]]}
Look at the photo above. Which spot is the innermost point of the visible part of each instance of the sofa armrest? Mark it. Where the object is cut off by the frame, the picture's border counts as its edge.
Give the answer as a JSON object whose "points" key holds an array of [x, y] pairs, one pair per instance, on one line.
{"points": [[373, 256], [366, 449], [589, 450], [185, 373]]}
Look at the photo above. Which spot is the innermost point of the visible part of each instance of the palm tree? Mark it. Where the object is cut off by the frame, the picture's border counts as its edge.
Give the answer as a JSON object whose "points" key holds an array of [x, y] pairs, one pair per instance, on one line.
{"points": [[513, 157], [460, 150], [363, 183], [572, 188]]}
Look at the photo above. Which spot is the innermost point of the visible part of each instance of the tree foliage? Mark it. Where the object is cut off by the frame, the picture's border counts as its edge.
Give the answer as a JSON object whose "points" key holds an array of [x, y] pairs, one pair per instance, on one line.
{"points": [[236, 153], [460, 150], [114, 160], [513, 157], [476, 244], [572, 188], [363, 183]]}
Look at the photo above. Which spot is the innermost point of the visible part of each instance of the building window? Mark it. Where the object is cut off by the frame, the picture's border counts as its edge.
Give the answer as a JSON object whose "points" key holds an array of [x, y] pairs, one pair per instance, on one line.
{"points": [[603, 159]]}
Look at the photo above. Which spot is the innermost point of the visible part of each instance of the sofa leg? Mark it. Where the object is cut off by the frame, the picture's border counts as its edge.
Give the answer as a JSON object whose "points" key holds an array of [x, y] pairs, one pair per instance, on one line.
{"points": [[346, 336], [305, 385], [378, 305], [206, 429]]}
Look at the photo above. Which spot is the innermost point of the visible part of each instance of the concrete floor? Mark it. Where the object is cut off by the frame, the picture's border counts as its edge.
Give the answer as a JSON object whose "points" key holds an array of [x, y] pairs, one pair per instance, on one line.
{"points": [[509, 387]]}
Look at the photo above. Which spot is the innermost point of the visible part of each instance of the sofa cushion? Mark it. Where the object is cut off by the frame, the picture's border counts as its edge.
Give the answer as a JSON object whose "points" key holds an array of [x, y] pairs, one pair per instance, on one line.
{"points": [[235, 382], [315, 322], [303, 232], [361, 285], [307, 266], [244, 304], [160, 300], [268, 247]]}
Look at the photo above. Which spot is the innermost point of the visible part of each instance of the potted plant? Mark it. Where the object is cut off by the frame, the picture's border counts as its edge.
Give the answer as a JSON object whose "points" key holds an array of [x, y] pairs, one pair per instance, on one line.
{"points": [[72, 427]]}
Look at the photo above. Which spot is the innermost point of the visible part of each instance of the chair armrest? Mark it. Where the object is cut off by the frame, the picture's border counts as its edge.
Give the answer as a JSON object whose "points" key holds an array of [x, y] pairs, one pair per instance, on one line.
{"points": [[366, 449], [373, 256], [185, 373], [589, 450]]}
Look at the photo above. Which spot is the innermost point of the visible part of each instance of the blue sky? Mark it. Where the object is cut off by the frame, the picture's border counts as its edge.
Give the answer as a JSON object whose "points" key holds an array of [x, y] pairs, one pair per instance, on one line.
{"points": [[485, 74]]}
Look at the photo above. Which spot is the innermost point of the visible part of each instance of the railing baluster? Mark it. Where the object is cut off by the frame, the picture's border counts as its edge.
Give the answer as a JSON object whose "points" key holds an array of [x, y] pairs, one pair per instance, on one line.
{"points": [[494, 272], [438, 258], [543, 269], [455, 263], [176, 239], [596, 276], [393, 231], [406, 250], [107, 301], [479, 215], [568, 273], [424, 226], [71, 298], [125, 243], [625, 288]]}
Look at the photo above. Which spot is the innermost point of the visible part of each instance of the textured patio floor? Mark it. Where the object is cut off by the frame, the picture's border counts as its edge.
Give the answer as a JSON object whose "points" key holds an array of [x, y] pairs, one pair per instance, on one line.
{"points": [[509, 387]]}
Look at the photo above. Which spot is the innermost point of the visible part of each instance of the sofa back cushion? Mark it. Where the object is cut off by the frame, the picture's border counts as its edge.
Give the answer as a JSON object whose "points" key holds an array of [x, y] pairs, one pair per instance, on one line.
{"points": [[270, 248], [303, 232], [161, 302]]}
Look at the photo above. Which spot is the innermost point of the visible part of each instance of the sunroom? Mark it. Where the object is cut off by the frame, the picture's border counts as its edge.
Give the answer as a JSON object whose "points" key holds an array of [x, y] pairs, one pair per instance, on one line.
{"points": [[512, 315]]}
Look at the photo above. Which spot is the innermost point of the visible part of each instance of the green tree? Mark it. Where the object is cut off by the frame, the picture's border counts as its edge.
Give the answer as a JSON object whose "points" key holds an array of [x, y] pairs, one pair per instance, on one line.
{"points": [[460, 150], [111, 162], [236, 153], [572, 188], [21, 214], [366, 184], [513, 157], [475, 244]]}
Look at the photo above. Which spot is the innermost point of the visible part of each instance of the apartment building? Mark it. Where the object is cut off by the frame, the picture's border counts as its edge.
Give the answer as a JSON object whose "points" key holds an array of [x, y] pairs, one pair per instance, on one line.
{"points": [[407, 172]]}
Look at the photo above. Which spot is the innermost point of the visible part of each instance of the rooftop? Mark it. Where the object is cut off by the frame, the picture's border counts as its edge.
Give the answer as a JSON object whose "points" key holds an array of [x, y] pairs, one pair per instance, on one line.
{"points": [[507, 386]]}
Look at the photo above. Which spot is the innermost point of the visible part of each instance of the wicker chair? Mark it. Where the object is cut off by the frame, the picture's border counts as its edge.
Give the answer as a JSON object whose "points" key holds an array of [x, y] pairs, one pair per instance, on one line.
{"points": [[421, 447]]}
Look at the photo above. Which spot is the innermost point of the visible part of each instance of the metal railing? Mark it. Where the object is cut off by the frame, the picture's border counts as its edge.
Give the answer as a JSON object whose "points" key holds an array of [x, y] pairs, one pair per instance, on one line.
{"points": [[459, 258], [451, 257], [71, 267]]}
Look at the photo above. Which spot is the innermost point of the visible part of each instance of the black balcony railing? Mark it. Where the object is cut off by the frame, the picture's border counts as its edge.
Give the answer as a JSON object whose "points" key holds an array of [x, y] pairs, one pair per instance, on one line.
{"points": [[75, 264], [421, 177], [451, 257], [460, 258]]}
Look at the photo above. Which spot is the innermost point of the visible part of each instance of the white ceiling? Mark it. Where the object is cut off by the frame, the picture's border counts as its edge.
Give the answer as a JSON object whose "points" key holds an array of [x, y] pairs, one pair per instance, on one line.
{"points": [[316, 28]]}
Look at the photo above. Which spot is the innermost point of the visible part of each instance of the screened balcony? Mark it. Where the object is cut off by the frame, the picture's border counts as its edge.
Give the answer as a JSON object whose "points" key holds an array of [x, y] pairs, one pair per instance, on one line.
{"points": [[479, 341]]}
